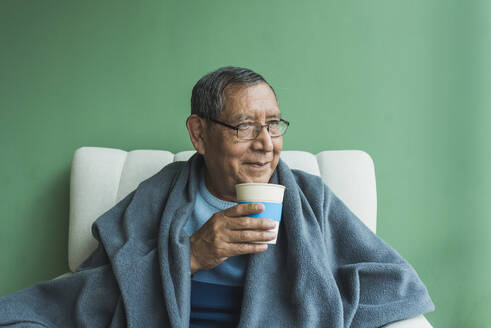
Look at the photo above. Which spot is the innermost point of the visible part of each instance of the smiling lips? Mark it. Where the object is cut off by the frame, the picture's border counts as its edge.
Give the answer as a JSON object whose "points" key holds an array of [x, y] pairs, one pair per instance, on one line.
{"points": [[258, 164]]}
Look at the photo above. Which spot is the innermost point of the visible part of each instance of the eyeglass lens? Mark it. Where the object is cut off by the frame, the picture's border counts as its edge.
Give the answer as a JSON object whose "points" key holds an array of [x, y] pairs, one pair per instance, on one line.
{"points": [[252, 131]]}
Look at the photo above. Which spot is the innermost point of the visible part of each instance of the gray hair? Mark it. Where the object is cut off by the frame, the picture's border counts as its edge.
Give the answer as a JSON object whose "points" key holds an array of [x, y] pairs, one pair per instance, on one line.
{"points": [[207, 98]]}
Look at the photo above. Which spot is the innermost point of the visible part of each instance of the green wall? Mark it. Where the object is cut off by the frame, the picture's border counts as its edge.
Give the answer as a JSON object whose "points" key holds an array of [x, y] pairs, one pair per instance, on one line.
{"points": [[406, 81]]}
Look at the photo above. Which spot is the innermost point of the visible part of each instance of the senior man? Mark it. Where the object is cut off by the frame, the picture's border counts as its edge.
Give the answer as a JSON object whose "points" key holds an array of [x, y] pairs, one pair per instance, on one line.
{"points": [[179, 251]]}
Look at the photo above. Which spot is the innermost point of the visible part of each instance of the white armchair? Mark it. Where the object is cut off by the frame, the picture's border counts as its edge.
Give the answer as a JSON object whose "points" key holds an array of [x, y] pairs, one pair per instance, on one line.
{"points": [[101, 177]]}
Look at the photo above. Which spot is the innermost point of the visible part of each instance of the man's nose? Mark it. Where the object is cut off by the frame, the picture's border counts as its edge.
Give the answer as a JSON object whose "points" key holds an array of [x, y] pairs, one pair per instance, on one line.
{"points": [[263, 140]]}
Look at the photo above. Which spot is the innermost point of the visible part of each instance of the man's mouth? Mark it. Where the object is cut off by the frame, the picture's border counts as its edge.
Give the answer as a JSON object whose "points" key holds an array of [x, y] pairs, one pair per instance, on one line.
{"points": [[258, 165]]}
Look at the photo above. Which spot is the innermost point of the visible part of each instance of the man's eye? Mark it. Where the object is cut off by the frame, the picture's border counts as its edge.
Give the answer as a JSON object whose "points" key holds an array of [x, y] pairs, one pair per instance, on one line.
{"points": [[245, 126]]}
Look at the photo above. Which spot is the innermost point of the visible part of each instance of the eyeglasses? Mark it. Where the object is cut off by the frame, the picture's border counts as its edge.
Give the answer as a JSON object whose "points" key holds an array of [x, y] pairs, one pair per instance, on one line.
{"points": [[250, 131]]}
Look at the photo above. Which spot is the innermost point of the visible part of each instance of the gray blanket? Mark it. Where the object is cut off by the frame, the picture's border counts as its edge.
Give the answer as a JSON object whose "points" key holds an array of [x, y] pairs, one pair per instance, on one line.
{"points": [[326, 270]]}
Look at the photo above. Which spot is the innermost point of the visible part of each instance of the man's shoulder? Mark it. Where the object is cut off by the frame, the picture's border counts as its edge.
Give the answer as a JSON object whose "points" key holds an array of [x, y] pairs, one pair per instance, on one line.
{"points": [[301, 174], [164, 176], [307, 180], [311, 186]]}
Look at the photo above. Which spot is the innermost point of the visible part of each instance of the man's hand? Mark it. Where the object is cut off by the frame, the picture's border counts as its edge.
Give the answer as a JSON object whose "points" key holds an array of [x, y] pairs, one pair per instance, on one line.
{"points": [[227, 233]]}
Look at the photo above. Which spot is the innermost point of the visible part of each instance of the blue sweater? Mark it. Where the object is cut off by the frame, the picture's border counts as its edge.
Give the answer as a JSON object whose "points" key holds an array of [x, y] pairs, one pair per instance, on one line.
{"points": [[216, 294]]}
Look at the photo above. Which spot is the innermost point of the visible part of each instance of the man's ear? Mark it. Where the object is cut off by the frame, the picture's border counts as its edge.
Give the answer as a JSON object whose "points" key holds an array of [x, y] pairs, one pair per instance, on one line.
{"points": [[197, 130]]}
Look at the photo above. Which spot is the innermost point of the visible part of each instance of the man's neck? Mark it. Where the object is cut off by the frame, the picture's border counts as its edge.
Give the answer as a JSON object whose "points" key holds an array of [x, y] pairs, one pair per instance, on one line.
{"points": [[220, 193]]}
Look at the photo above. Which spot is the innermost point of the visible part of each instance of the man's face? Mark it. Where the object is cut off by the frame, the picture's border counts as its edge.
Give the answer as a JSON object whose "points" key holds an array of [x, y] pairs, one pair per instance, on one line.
{"points": [[231, 161]]}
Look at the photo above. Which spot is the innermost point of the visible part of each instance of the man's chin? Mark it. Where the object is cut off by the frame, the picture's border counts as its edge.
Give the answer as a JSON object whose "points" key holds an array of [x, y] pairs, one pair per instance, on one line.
{"points": [[258, 178], [253, 174]]}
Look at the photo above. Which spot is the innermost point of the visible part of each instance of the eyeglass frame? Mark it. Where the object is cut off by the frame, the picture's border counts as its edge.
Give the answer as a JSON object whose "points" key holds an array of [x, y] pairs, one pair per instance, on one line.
{"points": [[236, 128]]}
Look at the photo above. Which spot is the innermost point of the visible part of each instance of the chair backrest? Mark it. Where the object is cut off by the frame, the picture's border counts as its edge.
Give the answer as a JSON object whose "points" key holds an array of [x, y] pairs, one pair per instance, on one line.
{"points": [[101, 177]]}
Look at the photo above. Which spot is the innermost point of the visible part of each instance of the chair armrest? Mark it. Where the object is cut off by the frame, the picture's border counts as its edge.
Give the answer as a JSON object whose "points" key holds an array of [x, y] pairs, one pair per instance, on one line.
{"points": [[417, 322]]}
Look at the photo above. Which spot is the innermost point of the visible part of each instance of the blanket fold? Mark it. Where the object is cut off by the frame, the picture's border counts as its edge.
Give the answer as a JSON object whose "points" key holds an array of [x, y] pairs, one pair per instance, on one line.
{"points": [[326, 270]]}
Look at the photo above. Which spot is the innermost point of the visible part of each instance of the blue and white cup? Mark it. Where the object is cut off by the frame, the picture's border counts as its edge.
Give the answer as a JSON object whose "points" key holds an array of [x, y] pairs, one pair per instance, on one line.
{"points": [[268, 194]]}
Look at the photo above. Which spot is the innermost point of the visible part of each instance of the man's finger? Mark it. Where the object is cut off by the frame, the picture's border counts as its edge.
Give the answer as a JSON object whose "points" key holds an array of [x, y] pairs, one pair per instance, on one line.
{"points": [[247, 223], [244, 248], [244, 209], [250, 236]]}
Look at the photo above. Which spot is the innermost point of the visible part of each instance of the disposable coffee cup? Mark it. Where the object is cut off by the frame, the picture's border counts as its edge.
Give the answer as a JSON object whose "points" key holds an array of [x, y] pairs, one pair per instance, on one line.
{"points": [[268, 194]]}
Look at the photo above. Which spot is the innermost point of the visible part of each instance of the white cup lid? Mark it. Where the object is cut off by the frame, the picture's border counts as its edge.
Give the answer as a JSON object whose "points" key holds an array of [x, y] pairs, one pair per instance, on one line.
{"points": [[259, 192]]}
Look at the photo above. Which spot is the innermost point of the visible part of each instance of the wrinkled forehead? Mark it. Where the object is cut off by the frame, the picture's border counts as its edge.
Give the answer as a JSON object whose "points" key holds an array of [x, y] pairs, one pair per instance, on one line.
{"points": [[255, 102]]}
